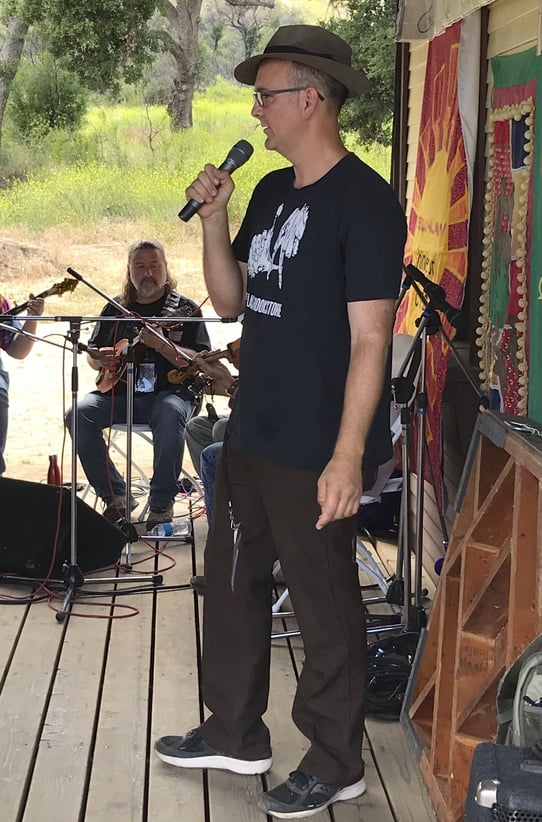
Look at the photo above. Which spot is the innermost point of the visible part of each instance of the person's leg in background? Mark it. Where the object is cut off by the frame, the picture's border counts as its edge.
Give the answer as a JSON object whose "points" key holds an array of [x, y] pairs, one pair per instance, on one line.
{"points": [[199, 434], [94, 413], [208, 463]]}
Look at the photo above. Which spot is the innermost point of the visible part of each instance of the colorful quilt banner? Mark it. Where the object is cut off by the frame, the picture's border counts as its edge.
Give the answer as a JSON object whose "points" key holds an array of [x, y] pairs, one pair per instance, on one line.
{"points": [[438, 225], [509, 331]]}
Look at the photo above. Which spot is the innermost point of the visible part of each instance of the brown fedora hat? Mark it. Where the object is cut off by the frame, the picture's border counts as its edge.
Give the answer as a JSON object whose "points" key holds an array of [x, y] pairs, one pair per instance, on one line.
{"points": [[312, 46]]}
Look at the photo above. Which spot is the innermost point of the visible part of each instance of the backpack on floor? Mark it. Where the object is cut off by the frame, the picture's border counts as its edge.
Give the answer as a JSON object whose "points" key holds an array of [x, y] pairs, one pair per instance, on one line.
{"points": [[519, 699]]}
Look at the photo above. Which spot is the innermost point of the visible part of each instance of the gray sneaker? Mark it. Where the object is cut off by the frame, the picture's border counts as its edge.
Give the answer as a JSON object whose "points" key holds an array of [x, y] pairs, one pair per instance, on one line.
{"points": [[115, 508], [159, 514], [191, 751], [302, 795]]}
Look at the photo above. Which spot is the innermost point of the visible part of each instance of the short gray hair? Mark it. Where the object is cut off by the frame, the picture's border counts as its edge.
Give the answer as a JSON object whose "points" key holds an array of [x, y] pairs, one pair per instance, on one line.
{"points": [[331, 89]]}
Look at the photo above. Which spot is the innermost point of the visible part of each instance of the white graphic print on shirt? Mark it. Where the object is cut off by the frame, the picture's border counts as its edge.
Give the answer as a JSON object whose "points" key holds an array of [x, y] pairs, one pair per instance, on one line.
{"points": [[267, 256]]}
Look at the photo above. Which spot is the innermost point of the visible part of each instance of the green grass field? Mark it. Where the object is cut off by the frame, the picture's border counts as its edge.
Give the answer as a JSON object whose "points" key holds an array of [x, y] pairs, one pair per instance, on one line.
{"points": [[126, 164]]}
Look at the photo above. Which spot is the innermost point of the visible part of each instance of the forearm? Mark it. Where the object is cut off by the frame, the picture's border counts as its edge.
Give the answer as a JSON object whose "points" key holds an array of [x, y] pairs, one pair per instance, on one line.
{"points": [[223, 276], [174, 353], [362, 393], [367, 367], [21, 345]]}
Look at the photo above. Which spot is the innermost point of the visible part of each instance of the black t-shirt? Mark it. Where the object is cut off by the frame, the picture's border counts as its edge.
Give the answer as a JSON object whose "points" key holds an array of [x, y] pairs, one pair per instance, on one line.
{"points": [[310, 252], [192, 335]]}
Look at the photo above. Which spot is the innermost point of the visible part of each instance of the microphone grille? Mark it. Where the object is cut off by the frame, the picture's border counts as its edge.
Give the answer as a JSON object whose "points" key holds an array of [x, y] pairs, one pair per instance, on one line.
{"points": [[241, 152]]}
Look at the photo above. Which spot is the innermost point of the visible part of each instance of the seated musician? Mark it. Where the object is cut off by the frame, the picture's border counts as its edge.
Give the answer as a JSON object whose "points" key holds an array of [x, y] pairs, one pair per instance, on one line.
{"points": [[204, 434], [17, 346], [166, 408]]}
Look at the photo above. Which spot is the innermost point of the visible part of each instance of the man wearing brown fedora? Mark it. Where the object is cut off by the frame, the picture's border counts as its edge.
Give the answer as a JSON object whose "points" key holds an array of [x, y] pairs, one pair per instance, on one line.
{"points": [[315, 267]]}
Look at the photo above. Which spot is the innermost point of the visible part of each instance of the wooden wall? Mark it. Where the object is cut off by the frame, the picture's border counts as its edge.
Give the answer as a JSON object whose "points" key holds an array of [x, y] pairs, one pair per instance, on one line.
{"points": [[513, 25]]}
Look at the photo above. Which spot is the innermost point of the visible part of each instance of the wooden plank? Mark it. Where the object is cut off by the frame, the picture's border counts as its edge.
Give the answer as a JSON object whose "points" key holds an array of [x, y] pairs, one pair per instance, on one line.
{"points": [[60, 774], [232, 796], [388, 744], [31, 670], [373, 805], [418, 52], [11, 619], [117, 780], [406, 791], [514, 38], [504, 13], [176, 795]]}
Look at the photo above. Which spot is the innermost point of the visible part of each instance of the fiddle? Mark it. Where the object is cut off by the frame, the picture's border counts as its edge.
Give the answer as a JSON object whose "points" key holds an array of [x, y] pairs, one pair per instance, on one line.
{"points": [[178, 375]]}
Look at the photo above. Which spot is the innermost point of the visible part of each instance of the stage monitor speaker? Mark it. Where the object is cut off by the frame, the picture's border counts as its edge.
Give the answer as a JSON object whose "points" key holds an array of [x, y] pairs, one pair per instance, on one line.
{"points": [[29, 523]]}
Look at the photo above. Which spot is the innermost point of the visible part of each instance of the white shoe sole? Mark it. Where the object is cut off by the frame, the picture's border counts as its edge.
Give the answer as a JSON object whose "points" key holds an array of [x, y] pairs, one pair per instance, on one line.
{"points": [[349, 792], [222, 763]]}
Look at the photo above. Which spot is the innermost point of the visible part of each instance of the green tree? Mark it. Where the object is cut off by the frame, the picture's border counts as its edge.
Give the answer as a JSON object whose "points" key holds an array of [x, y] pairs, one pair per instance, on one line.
{"points": [[369, 27], [46, 96], [101, 40]]}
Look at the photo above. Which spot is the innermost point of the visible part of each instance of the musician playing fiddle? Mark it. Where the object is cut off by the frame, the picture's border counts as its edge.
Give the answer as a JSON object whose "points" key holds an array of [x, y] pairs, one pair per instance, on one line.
{"points": [[166, 408], [19, 347]]}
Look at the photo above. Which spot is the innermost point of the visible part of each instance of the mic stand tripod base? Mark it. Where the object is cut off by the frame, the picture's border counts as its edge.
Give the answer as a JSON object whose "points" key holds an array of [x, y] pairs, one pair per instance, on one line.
{"points": [[74, 579]]}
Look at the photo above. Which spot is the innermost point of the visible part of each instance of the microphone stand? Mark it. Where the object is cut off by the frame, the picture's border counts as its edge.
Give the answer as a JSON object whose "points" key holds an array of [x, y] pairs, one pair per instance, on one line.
{"points": [[429, 323], [72, 574]]}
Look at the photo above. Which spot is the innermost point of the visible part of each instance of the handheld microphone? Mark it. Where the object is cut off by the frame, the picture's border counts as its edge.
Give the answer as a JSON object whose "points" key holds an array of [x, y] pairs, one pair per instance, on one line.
{"points": [[437, 296], [237, 156]]}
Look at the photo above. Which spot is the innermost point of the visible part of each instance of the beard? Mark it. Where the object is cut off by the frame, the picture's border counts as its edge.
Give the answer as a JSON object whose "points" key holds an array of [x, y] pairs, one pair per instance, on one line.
{"points": [[147, 287]]}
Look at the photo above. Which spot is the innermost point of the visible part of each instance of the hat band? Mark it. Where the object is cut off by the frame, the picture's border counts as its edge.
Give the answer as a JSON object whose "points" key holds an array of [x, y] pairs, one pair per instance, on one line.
{"points": [[299, 50]]}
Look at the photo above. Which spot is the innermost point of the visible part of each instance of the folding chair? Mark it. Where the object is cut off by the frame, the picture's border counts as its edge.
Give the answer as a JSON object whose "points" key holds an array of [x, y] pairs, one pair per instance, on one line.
{"points": [[140, 480]]}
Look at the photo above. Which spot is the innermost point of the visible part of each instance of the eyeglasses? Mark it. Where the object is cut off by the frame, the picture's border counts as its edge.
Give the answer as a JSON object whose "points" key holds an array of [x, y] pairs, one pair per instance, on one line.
{"points": [[262, 97]]}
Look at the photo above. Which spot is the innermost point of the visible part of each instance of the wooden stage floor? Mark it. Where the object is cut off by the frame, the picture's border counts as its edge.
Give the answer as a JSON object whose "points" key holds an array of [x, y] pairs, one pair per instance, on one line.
{"points": [[82, 701]]}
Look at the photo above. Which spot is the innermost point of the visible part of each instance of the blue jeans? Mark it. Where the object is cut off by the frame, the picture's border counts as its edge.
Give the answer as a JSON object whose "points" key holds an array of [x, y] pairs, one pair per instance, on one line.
{"points": [[208, 460], [165, 413]]}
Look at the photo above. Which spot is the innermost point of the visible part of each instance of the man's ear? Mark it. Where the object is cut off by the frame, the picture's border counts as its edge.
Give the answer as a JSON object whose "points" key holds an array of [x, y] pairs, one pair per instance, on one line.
{"points": [[310, 100]]}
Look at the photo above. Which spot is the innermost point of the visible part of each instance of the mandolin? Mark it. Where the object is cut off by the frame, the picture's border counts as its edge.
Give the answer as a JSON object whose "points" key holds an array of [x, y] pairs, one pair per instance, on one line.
{"points": [[56, 289], [106, 379], [178, 375]]}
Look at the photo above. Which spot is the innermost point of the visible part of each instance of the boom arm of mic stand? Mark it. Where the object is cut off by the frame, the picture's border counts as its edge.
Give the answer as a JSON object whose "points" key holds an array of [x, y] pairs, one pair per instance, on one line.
{"points": [[122, 309], [483, 399]]}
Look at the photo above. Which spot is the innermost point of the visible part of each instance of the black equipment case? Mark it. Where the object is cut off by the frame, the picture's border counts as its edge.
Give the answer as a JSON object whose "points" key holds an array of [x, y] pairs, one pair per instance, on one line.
{"points": [[505, 784]]}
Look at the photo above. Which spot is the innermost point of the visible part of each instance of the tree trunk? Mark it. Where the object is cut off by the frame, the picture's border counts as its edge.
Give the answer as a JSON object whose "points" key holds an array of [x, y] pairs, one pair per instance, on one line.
{"points": [[10, 56], [181, 39], [179, 105]]}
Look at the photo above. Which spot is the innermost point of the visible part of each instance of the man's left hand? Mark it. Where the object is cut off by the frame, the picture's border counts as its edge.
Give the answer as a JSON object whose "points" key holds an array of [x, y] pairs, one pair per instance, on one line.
{"points": [[339, 489], [152, 338]]}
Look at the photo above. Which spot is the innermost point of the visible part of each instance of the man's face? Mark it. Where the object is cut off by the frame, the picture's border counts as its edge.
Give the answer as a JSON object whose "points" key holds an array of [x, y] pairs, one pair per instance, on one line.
{"points": [[280, 116], [148, 273]]}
